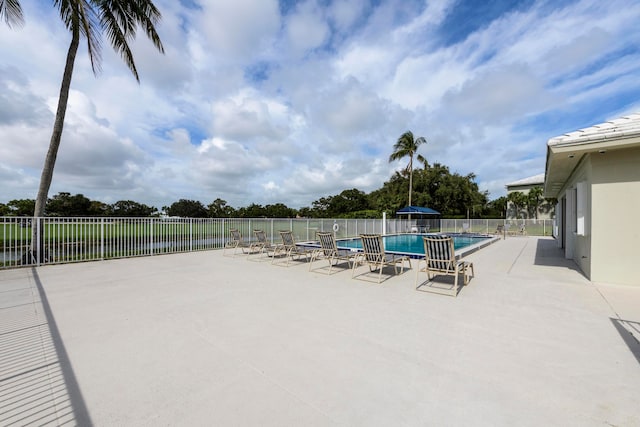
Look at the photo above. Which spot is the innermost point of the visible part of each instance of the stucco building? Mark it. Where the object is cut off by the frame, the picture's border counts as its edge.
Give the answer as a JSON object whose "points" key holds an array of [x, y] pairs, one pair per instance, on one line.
{"points": [[545, 209], [595, 175]]}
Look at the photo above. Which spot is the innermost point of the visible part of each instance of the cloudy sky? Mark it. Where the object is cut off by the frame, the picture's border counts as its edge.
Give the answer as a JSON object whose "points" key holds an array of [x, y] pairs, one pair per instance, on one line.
{"points": [[266, 101]]}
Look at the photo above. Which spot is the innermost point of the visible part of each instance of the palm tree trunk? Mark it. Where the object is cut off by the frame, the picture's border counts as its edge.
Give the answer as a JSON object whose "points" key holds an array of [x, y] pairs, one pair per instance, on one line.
{"points": [[410, 183], [54, 144]]}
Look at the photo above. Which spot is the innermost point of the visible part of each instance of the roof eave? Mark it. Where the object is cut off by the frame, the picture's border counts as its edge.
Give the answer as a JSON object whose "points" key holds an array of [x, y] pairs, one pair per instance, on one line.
{"points": [[563, 158]]}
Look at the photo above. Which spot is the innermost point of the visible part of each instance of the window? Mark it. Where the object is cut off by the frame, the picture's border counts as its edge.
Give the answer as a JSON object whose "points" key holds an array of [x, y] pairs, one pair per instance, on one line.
{"points": [[581, 208], [571, 198]]}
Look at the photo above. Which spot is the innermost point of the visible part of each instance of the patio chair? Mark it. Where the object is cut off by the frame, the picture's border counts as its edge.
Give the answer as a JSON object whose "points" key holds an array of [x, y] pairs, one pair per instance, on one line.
{"points": [[508, 230], [499, 229], [516, 230], [289, 249], [237, 242], [440, 259], [374, 256], [465, 227], [262, 245], [329, 251]]}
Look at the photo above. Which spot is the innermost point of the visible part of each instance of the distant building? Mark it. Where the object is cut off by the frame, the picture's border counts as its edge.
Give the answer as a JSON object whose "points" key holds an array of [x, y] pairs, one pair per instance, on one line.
{"points": [[545, 210], [595, 175]]}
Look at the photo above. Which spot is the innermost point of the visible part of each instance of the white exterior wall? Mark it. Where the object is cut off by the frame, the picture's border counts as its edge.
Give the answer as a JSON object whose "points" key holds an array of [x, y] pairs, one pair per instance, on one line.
{"points": [[615, 217], [578, 239]]}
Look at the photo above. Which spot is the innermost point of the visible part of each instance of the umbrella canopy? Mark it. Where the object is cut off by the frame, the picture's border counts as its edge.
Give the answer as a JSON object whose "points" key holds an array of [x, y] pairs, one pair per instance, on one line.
{"points": [[411, 210]]}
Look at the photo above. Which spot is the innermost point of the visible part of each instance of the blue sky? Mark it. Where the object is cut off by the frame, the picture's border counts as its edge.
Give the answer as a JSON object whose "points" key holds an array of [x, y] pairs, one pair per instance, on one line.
{"points": [[259, 101]]}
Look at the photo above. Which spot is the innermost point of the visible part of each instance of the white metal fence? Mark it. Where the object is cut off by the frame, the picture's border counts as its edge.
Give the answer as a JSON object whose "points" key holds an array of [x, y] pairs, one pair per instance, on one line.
{"points": [[64, 240], [530, 227]]}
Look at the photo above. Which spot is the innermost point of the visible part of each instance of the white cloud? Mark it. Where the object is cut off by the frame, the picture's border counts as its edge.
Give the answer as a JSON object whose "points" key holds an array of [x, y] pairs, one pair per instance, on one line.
{"points": [[239, 29], [345, 13], [18, 101], [252, 104], [247, 116], [500, 95], [307, 27]]}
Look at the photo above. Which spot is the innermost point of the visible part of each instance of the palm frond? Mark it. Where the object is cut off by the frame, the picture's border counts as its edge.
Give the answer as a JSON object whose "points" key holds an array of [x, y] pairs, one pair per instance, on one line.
{"points": [[11, 12], [117, 36], [119, 20], [89, 26], [79, 16], [147, 16]]}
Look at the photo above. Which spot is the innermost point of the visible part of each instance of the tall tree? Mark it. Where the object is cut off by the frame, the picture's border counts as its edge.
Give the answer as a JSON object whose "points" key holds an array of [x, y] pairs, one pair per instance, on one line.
{"points": [[64, 204], [124, 208], [518, 200], [497, 208], [119, 20], [219, 209], [534, 200], [435, 187], [22, 207], [188, 209], [347, 202], [407, 146]]}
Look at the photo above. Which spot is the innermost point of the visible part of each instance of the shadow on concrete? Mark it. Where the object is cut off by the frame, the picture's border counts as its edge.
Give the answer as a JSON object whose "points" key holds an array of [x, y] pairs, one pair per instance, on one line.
{"points": [[442, 286], [37, 382], [549, 254], [630, 333]]}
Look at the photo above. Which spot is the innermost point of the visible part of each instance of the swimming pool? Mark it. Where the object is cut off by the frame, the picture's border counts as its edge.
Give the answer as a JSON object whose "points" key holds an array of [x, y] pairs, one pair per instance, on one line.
{"points": [[412, 244]]}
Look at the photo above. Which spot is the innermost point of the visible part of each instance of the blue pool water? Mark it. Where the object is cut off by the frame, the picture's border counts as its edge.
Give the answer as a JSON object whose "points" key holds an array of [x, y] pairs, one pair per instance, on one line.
{"points": [[412, 243]]}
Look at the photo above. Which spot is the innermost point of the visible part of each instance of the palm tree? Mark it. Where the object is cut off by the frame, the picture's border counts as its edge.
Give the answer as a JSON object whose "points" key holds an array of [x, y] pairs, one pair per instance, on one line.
{"points": [[534, 199], [407, 146], [89, 18], [518, 200], [119, 20], [11, 12]]}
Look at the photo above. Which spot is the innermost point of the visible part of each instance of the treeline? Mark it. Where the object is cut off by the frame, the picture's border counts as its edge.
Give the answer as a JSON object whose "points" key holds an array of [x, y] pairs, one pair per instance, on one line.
{"points": [[66, 205], [434, 186]]}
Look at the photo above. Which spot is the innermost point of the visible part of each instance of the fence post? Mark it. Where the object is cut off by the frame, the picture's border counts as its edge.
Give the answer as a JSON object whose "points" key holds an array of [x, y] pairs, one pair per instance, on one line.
{"points": [[39, 246], [384, 223], [102, 238], [272, 241]]}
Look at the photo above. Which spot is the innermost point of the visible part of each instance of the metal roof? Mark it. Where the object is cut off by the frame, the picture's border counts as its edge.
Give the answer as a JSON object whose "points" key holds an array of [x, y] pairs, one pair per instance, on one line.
{"points": [[532, 180], [417, 210], [613, 129], [565, 152]]}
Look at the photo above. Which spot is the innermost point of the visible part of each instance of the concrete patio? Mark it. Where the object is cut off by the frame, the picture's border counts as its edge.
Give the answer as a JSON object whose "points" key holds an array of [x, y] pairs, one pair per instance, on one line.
{"points": [[202, 339]]}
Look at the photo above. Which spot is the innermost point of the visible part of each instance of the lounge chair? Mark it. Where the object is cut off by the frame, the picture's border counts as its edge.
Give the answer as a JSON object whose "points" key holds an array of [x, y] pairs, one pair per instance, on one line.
{"points": [[440, 259], [507, 230], [517, 230], [262, 245], [289, 249], [329, 251], [237, 242], [374, 256]]}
